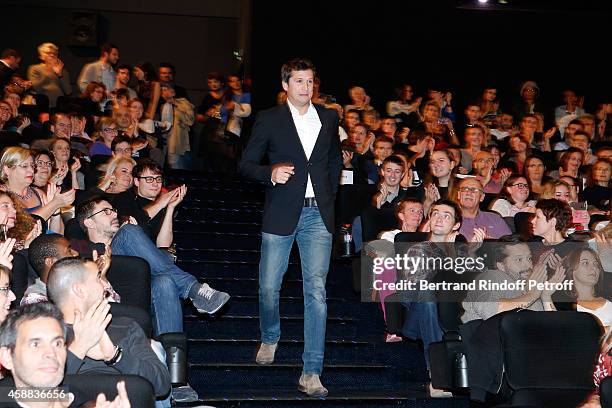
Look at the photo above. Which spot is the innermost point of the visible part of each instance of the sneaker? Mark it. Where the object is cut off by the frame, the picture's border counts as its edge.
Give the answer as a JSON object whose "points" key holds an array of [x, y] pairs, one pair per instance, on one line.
{"points": [[265, 354], [437, 393], [311, 385], [392, 338], [184, 394], [208, 300]]}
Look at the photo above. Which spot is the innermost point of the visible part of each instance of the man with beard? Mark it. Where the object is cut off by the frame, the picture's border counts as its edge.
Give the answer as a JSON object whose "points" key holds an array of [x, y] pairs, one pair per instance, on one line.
{"points": [[513, 262]]}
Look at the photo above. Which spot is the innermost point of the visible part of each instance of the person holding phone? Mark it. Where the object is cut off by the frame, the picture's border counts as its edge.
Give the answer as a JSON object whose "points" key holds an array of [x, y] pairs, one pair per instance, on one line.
{"points": [[301, 141]]}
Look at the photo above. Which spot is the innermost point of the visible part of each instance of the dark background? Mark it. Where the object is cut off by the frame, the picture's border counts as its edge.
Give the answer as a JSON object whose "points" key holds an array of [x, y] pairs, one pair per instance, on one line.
{"points": [[455, 45]]}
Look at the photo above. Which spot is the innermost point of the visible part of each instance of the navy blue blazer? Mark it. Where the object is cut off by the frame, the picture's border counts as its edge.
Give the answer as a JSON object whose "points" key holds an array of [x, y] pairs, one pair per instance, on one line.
{"points": [[275, 133]]}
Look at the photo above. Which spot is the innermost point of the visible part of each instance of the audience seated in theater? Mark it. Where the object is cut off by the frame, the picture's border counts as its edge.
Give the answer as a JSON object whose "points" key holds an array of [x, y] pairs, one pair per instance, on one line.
{"points": [[469, 196], [351, 118], [44, 252], [581, 141], [125, 125], [422, 314], [604, 152], [122, 81], [169, 283], [534, 171], [60, 127], [514, 197], [17, 223], [550, 224], [585, 270], [483, 169], [420, 146], [556, 189], [17, 173], [442, 129], [42, 325], [360, 101], [390, 190], [440, 180], [409, 213], [60, 148], [474, 138], [406, 107], [101, 346], [503, 127], [569, 164], [568, 133], [598, 191], [106, 131], [513, 263], [166, 72], [92, 99], [50, 77], [517, 155], [152, 207], [489, 104], [181, 114]]}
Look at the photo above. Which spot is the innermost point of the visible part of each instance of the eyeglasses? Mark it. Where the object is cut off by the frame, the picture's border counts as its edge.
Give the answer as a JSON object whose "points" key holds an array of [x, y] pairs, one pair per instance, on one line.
{"points": [[151, 179], [42, 163], [485, 160], [106, 211], [126, 150], [110, 130], [25, 166], [5, 290], [470, 189], [520, 185]]}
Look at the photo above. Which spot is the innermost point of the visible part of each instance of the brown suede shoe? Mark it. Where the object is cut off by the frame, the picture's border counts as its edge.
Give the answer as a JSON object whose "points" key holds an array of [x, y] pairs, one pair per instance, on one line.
{"points": [[311, 385], [265, 354]]}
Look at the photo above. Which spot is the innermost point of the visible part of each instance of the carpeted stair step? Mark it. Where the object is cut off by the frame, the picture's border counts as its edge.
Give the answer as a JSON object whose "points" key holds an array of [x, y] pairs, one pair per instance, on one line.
{"points": [[291, 398], [196, 225]]}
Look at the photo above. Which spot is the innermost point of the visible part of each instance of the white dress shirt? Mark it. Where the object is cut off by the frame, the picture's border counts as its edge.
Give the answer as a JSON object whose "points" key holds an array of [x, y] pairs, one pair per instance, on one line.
{"points": [[308, 126]]}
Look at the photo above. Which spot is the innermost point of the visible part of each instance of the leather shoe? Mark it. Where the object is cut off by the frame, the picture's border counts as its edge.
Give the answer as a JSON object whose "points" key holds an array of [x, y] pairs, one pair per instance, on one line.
{"points": [[311, 385], [265, 354]]}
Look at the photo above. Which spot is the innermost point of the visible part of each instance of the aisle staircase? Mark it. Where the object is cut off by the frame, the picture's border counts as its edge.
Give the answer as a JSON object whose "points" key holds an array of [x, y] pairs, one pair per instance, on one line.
{"points": [[217, 232]]}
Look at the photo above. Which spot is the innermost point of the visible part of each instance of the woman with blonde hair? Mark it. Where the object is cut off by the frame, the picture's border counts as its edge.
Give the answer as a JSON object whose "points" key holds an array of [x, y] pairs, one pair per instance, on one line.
{"points": [[118, 176], [557, 189], [17, 174]]}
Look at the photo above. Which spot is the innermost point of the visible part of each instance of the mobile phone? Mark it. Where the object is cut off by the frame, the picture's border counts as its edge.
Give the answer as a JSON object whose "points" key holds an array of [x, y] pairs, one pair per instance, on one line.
{"points": [[3, 233]]}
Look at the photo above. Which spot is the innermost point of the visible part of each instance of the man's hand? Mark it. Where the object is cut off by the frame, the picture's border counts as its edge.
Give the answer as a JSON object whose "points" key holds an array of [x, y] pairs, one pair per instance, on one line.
{"points": [[122, 400], [346, 159], [75, 166], [282, 172], [103, 261], [104, 350], [88, 330], [178, 194]]}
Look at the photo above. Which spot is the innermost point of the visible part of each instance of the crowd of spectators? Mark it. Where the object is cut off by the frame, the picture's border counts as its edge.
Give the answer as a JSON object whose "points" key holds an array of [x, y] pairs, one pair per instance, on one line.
{"points": [[82, 179]]}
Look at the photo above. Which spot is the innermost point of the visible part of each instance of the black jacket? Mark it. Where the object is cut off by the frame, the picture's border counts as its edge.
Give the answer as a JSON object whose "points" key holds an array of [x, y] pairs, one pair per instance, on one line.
{"points": [[275, 133]]}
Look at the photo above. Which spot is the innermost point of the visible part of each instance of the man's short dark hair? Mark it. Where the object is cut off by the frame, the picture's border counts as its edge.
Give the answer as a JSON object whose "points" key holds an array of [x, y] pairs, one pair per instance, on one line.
{"points": [[575, 122], [417, 135], [166, 84], [553, 208], [8, 53], [144, 165], [453, 205], [44, 246], [86, 209], [504, 243], [124, 66], [63, 274], [214, 75], [383, 139], [107, 48], [296, 64], [120, 139], [395, 159], [10, 326], [167, 65]]}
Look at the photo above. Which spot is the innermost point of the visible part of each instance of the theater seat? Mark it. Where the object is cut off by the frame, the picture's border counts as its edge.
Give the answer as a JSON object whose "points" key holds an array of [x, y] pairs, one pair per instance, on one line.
{"points": [[605, 393], [549, 357]]}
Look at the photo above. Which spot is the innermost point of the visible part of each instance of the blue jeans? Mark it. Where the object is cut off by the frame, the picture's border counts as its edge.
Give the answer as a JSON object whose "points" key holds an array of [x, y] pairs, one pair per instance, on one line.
{"points": [[422, 323], [169, 283], [314, 243]]}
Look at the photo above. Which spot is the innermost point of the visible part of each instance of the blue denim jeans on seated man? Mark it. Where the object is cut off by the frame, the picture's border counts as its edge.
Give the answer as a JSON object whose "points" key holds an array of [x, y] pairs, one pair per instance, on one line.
{"points": [[422, 323], [169, 283], [314, 243]]}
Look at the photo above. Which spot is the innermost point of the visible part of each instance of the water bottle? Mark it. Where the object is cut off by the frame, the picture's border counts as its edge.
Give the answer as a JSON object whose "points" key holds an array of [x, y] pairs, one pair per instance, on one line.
{"points": [[461, 371], [176, 360], [348, 247]]}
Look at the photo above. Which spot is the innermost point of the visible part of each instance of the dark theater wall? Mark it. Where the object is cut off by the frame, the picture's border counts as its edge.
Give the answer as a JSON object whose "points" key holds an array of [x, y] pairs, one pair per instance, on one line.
{"points": [[197, 36]]}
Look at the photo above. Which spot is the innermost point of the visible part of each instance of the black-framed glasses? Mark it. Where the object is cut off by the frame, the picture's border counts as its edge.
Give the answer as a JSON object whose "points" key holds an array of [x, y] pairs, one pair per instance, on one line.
{"points": [[520, 185], [106, 211], [42, 163], [151, 179]]}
